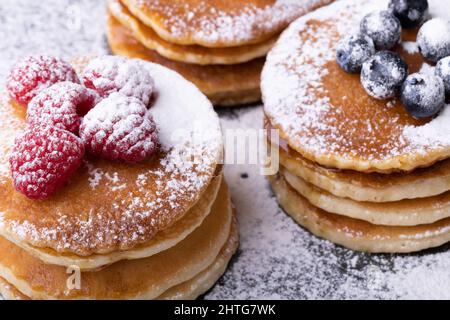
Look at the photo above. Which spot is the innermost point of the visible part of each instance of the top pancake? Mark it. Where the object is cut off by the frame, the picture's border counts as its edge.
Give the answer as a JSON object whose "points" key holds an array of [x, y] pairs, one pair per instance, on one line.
{"points": [[326, 115], [110, 206], [219, 23]]}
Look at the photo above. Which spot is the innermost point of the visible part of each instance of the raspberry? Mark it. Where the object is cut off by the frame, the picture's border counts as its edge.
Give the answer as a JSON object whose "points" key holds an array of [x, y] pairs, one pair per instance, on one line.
{"points": [[43, 159], [35, 73], [61, 106], [110, 74], [120, 128]]}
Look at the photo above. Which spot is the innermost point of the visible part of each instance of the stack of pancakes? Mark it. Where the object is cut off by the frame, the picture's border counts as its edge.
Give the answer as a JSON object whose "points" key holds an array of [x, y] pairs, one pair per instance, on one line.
{"points": [[161, 229], [218, 45], [354, 170]]}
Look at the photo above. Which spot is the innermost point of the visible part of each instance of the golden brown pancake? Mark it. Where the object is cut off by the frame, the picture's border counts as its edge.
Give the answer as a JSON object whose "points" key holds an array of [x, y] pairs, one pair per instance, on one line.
{"points": [[145, 278], [370, 187], [219, 23], [357, 234], [223, 85], [326, 115], [194, 54], [188, 290], [109, 206], [411, 212], [163, 240]]}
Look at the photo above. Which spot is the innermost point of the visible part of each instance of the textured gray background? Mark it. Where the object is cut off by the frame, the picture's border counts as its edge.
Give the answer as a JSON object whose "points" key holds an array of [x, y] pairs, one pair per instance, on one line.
{"points": [[277, 259]]}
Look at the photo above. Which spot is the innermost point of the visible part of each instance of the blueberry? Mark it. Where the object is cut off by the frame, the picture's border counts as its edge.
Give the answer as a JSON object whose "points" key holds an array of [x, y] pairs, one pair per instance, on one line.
{"points": [[384, 29], [411, 13], [352, 51], [423, 95], [443, 72], [434, 39], [383, 74]]}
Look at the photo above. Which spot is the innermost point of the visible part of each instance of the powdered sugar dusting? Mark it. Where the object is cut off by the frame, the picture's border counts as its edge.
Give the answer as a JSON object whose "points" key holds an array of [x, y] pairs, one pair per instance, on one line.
{"points": [[207, 23], [290, 79]]}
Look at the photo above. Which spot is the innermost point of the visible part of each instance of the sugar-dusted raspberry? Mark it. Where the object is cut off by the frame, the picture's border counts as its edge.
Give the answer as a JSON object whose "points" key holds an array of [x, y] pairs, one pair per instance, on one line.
{"points": [[120, 128], [61, 106], [43, 160], [35, 73], [110, 74]]}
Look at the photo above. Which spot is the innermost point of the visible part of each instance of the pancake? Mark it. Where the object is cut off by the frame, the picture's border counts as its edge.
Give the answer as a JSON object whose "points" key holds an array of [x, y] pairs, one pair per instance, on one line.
{"points": [[109, 206], [145, 278], [163, 240], [326, 115], [400, 213], [204, 281], [188, 290], [223, 85], [8, 292], [189, 54], [371, 187], [357, 234], [219, 23]]}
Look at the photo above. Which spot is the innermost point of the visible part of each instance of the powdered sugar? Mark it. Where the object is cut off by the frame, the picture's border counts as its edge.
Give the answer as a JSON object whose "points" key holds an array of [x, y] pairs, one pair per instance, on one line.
{"points": [[120, 128]]}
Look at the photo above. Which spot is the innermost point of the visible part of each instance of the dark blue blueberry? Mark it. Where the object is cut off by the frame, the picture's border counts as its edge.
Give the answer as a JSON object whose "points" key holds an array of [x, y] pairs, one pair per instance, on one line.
{"points": [[423, 95], [411, 13], [443, 72], [384, 29], [383, 74], [434, 39], [352, 51]]}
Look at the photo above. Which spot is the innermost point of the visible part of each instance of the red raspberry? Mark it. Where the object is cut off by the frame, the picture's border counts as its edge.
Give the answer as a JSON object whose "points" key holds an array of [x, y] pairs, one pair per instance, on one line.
{"points": [[35, 73], [43, 159], [110, 74], [120, 128], [61, 106]]}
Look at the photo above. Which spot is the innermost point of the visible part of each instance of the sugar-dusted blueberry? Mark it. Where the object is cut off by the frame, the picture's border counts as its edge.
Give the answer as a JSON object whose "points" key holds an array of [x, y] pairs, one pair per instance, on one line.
{"points": [[382, 75], [353, 50], [411, 13], [443, 72], [434, 39], [423, 95], [384, 29]]}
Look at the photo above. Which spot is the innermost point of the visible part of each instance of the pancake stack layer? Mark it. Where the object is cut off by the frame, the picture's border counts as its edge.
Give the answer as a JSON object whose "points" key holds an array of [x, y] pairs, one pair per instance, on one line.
{"points": [[354, 170], [218, 45], [161, 229]]}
